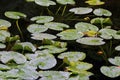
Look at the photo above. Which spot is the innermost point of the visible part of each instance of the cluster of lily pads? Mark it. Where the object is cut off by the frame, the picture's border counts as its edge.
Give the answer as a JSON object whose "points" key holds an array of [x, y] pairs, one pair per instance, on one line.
{"points": [[28, 61]]}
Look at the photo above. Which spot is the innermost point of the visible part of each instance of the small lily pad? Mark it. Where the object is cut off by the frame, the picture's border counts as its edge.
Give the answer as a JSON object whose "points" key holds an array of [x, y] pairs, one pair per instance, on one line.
{"points": [[45, 2], [41, 36], [56, 26], [15, 15], [72, 56], [70, 34], [36, 28], [4, 35], [64, 2], [42, 19], [4, 23], [111, 71], [81, 10], [4, 67], [95, 2], [102, 12], [117, 48], [11, 55], [2, 46], [115, 61], [24, 46], [94, 41], [84, 27]]}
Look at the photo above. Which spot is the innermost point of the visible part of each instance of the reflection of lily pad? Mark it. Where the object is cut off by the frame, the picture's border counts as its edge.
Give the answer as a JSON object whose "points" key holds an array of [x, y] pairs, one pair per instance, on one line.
{"points": [[2, 45], [45, 2], [70, 34], [41, 36], [115, 61], [84, 27], [4, 23], [91, 41], [81, 10], [94, 2], [111, 72], [15, 15], [4, 35], [56, 26], [72, 56], [64, 2], [102, 12], [36, 28], [42, 19]]}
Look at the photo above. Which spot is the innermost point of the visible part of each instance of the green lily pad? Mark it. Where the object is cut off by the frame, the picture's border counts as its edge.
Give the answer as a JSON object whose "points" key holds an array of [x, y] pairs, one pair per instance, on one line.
{"points": [[24, 46], [81, 10], [64, 2], [52, 49], [13, 38], [94, 41], [107, 33], [54, 75], [56, 26], [72, 56], [4, 23], [95, 2], [42, 19], [36, 28], [15, 15], [102, 12], [4, 67], [30, 0], [45, 2], [2, 46], [70, 34], [84, 27], [117, 48], [111, 71], [44, 61], [11, 55], [41, 36], [4, 35], [115, 61]]}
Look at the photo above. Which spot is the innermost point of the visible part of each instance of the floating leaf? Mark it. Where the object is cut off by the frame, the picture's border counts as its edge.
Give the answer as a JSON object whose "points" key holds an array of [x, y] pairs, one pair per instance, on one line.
{"points": [[15, 15], [70, 34], [56, 26], [111, 71], [4, 67], [2, 46], [42, 19], [64, 2], [81, 10], [102, 12], [72, 56], [30, 0], [117, 48], [36, 28], [84, 27], [45, 2], [94, 2], [4, 35], [94, 41], [51, 75], [24, 46], [11, 55], [41, 36], [44, 61], [4, 24], [115, 61], [52, 49]]}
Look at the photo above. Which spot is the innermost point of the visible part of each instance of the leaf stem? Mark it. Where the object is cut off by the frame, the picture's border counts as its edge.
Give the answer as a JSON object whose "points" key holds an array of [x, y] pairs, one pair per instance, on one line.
{"points": [[64, 10], [58, 10]]}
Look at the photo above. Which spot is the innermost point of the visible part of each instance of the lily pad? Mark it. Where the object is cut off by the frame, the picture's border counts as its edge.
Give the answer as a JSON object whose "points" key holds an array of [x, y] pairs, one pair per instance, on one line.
{"points": [[30, 0], [117, 48], [81, 10], [115, 61], [102, 12], [24, 46], [2, 46], [72, 56], [93, 41], [64, 2], [84, 27], [11, 55], [36, 28], [45, 2], [42, 19], [15, 15], [4, 35], [56, 26], [41, 36], [94, 2], [4, 24], [111, 71], [4, 67], [70, 34]]}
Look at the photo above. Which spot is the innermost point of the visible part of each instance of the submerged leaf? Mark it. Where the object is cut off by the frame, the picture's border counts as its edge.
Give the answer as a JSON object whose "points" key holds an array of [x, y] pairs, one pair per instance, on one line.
{"points": [[45, 2]]}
